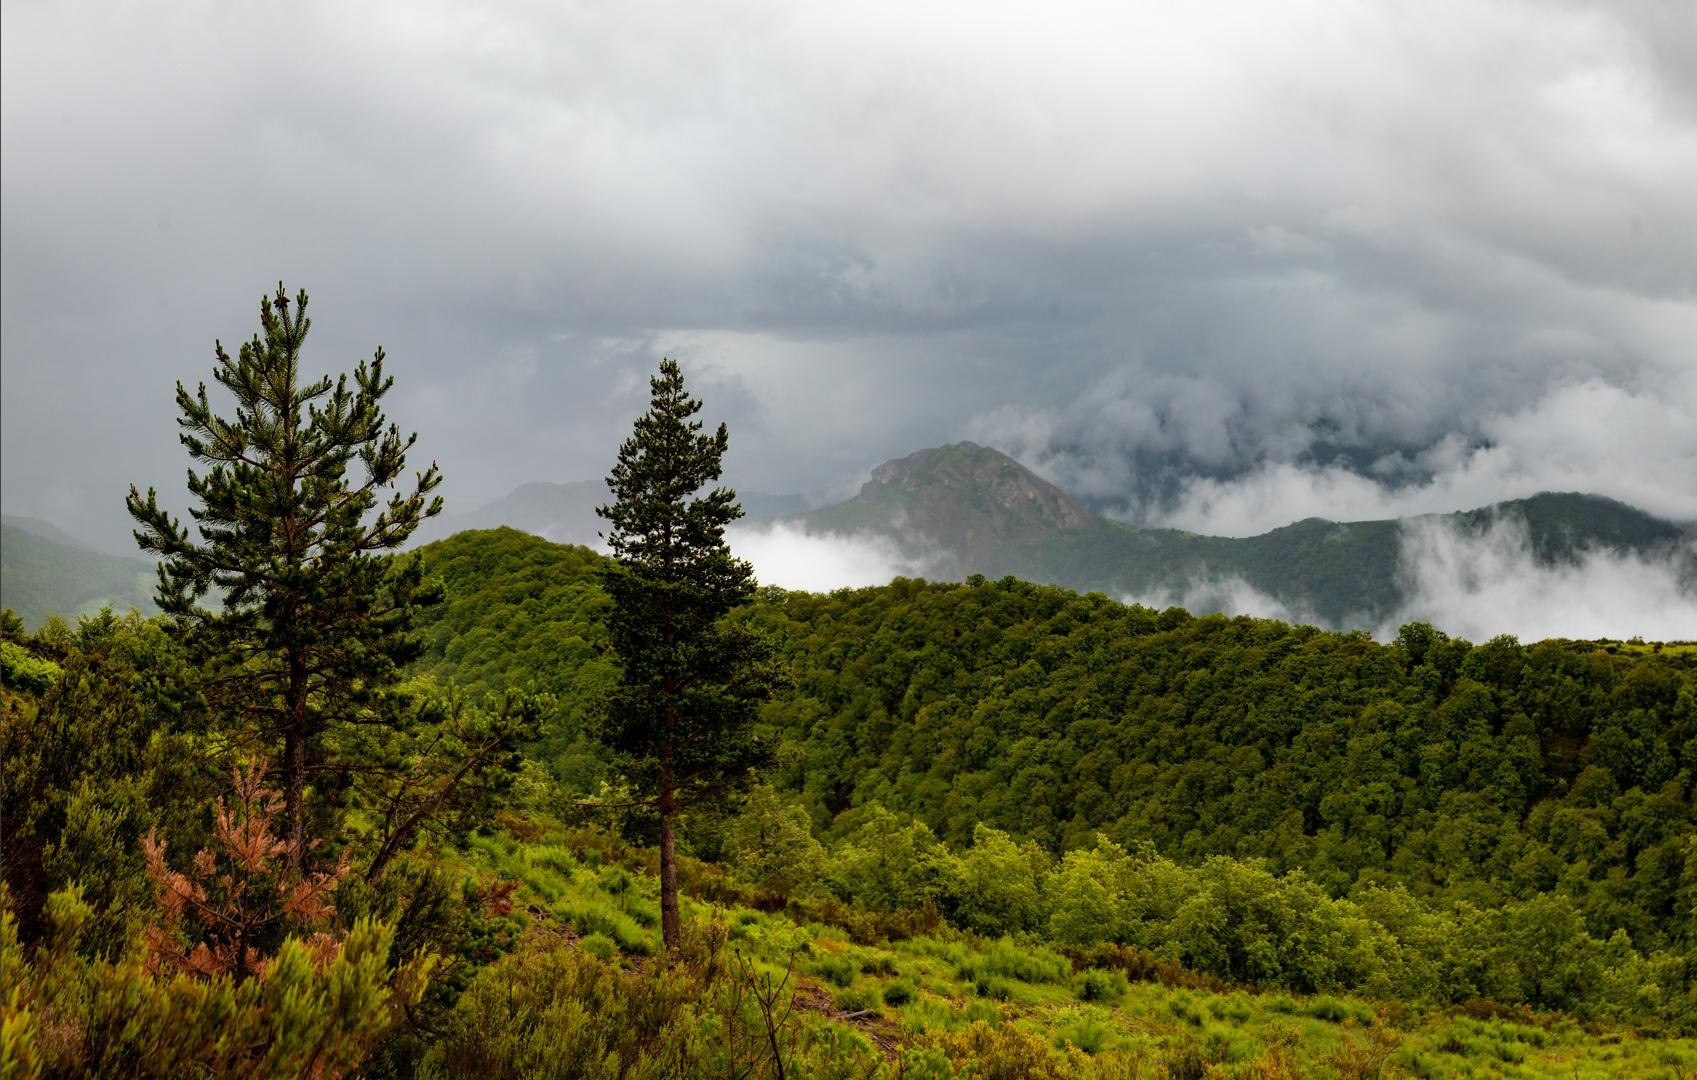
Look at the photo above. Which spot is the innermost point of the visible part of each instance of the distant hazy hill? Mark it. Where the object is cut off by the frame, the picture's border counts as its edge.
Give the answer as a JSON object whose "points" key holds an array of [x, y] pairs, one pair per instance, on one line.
{"points": [[967, 509], [44, 572], [970, 509], [565, 513]]}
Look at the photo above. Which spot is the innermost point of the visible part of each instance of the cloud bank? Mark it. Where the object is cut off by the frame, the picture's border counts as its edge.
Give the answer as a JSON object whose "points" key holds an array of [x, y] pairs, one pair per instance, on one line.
{"points": [[1480, 586], [1637, 447], [1214, 263], [1637, 444], [791, 557], [1470, 584]]}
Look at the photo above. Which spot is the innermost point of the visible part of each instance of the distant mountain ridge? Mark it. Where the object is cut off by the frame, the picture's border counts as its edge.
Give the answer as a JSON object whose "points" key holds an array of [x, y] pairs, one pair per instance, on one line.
{"points": [[565, 513], [967, 509], [46, 572]]}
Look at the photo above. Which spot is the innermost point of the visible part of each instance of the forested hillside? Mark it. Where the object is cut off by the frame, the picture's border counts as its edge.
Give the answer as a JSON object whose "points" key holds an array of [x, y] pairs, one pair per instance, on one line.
{"points": [[1013, 831], [1430, 779], [45, 573], [1055, 715]]}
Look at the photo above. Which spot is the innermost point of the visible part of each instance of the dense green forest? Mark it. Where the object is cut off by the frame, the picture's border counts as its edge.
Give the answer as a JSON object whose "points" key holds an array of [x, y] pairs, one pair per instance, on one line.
{"points": [[1440, 790]]}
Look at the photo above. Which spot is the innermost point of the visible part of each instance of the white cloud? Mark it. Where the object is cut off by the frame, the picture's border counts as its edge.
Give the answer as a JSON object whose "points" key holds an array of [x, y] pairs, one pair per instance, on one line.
{"points": [[1480, 586], [791, 557], [1635, 445], [1229, 595]]}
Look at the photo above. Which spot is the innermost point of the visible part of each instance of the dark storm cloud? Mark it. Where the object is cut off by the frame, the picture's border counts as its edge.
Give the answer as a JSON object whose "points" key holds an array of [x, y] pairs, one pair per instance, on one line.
{"points": [[1440, 234]]}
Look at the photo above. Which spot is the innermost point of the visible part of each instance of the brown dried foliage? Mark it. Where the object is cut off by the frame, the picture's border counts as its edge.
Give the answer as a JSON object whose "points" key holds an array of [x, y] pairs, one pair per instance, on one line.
{"points": [[238, 891]]}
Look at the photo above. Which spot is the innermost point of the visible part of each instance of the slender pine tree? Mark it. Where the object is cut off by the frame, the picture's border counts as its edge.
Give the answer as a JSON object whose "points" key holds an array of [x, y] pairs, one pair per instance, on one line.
{"points": [[682, 716], [312, 615]]}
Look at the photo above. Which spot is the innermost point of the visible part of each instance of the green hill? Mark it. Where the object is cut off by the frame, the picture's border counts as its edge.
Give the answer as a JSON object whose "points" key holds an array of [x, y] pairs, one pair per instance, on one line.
{"points": [[1484, 775], [44, 573], [1016, 832], [973, 510]]}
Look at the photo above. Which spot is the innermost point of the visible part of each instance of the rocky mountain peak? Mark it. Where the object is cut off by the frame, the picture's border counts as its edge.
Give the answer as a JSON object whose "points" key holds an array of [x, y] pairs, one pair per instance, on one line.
{"points": [[988, 480]]}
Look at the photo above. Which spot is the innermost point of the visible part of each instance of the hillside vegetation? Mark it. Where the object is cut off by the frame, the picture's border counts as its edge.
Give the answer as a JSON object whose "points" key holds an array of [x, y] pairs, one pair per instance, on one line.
{"points": [[42, 576], [1162, 768], [1015, 831]]}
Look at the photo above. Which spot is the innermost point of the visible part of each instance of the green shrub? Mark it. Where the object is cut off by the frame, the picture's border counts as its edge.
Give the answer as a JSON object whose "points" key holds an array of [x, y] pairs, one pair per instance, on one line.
{"points": [[310, 1013], [1223, 1044], [25, 671], [599, 946], [879, 963], [552, 1010], [547, 884], [858, 998], [1003, 958], [591, 917], [836, 970], [1095, 984], [981, 1011], [643, 912], [617, 881], [1088, 1030], [900, 992], [553, 857], [1184, 1008], [994, 987], [1185, 1059]]}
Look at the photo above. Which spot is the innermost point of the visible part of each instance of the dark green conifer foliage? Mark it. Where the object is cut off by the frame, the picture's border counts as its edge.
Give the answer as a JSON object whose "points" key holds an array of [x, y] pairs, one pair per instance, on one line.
{"points": [[312, 612], [681, 717]]}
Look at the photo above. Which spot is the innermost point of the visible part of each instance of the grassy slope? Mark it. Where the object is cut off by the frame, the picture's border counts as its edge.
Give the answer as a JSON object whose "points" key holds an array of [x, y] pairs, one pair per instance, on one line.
{"points": [[960, 990]]}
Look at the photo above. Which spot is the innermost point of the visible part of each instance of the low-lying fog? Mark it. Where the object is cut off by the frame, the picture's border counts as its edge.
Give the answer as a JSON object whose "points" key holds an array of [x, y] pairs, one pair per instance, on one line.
{"points": [[1471, 586]]}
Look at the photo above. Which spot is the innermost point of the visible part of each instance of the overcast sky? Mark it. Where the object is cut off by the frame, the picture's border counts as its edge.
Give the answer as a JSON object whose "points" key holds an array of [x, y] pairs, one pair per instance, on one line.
{"points": [[1457, 239]]}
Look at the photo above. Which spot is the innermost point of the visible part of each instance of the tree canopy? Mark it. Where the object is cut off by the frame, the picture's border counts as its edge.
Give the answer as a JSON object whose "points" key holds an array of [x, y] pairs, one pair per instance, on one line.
{"points": [[311, 616], [690, 683]]}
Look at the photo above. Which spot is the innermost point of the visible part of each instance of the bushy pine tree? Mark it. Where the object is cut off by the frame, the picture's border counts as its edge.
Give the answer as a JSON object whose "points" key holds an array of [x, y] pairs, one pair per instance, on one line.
{"points": [[691, 685], [311, 612]]}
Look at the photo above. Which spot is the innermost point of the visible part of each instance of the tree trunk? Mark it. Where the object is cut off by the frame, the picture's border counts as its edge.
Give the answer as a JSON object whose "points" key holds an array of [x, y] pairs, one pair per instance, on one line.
{"points": [[294, 760], [294, 793], [671, 931]]}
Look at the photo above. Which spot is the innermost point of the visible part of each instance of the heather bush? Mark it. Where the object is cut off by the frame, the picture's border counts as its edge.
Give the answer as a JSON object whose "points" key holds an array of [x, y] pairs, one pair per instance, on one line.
{"points": [[307, 1011]]}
